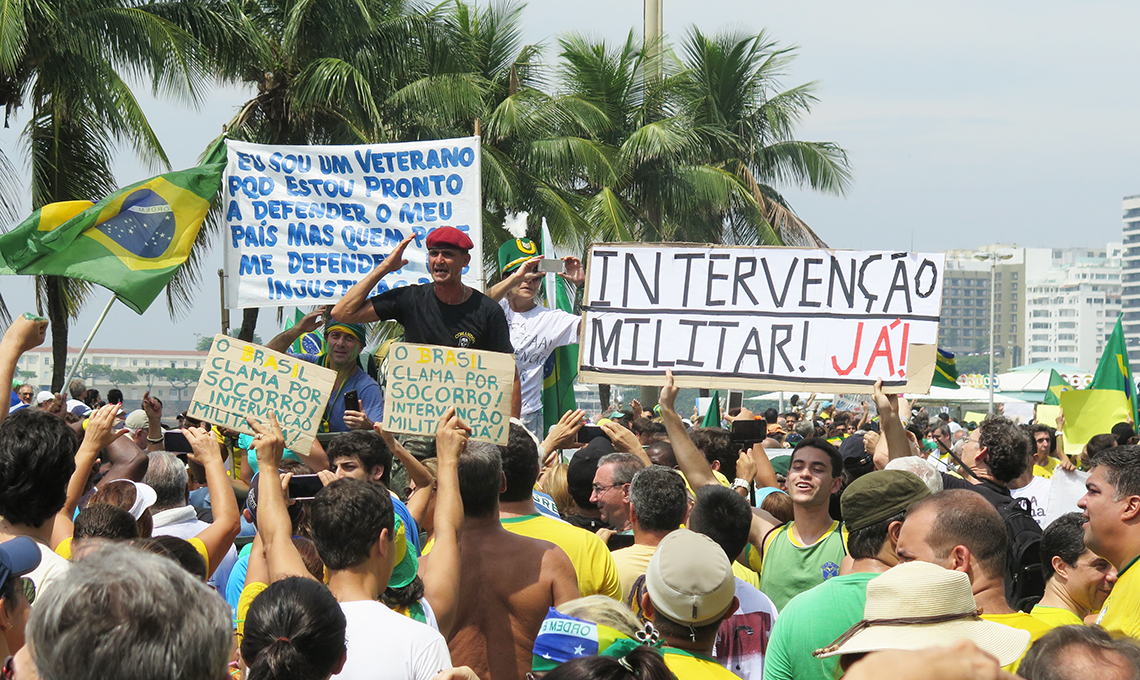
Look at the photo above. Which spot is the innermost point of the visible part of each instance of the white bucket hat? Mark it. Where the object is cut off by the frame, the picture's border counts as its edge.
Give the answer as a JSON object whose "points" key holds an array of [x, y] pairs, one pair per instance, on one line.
{"points": [[916, 605]]}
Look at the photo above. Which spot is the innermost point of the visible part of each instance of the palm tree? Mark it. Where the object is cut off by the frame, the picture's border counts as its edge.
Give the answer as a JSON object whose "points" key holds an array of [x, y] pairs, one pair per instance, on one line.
{"points": [[69, 62], [728, 94]]}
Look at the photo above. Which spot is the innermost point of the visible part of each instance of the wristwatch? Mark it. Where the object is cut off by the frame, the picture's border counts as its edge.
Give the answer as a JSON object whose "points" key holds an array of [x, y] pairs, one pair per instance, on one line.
{"points": [[740, 483]]}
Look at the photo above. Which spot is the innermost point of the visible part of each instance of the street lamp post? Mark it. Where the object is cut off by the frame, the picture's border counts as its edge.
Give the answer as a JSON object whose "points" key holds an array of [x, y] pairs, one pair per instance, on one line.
{"points": [[993, 258]]}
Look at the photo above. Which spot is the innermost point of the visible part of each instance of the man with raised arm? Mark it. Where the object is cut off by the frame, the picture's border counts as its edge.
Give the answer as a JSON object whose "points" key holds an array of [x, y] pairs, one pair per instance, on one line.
{"points": [[801, 554], [443, 312]]}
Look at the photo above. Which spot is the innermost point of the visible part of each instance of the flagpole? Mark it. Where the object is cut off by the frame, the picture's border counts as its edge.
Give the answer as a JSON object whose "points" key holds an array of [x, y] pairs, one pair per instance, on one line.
{"points": [[83, 350]]}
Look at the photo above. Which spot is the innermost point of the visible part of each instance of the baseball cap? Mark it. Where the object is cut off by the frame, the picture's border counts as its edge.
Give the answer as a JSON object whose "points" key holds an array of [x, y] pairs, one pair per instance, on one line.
{"points": [[406, 562], [449, 237], [44, 396], [251, 502], [878, 495], [583, 465], [689, 579], [916, 605], [137, 420], [18, 556]]}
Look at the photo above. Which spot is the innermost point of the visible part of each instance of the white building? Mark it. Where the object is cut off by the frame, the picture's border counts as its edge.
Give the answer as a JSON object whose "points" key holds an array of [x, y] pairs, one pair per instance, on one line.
{"points": [[38, 363], [1073, 308], [1130, 295]]}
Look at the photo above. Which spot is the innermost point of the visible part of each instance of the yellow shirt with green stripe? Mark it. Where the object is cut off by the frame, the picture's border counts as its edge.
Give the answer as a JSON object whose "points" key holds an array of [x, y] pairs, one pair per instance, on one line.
{"points": [[1021, 621], [1120, 615], [597, 574]]}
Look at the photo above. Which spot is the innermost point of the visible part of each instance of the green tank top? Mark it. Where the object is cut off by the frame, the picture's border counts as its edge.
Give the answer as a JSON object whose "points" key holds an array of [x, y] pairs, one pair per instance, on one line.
{"points": [[789, 569]]}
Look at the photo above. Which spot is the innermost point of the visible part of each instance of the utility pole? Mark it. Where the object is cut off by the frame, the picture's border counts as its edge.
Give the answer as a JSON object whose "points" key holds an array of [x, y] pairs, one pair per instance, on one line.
{"points": [[653, 31]]}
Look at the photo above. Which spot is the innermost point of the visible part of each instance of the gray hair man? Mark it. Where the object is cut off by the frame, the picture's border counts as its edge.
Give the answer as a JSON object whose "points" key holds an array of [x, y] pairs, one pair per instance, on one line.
{"points": [[123, 613], [659, 503]]}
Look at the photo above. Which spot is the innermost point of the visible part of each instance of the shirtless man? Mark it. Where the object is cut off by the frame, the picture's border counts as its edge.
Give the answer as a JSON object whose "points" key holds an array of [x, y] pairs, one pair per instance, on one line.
{"points": [[507, 582]]}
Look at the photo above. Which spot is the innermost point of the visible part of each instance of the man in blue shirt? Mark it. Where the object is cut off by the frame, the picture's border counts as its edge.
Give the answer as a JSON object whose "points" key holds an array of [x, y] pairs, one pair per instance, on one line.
{"points": [[343, 344]]}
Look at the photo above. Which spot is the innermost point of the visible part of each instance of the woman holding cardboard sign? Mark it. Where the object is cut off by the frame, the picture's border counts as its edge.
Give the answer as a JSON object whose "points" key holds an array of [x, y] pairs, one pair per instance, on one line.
{"points": [[356, 401]]}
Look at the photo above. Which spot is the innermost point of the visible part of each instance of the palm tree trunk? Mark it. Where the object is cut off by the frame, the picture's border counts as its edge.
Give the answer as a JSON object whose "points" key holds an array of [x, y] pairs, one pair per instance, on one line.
{"points": [[248, 323], [57, 315]]}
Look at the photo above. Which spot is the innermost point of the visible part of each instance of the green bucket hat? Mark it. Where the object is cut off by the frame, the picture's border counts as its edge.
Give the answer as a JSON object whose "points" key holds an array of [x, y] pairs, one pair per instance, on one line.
{"points": [[514, 253]]}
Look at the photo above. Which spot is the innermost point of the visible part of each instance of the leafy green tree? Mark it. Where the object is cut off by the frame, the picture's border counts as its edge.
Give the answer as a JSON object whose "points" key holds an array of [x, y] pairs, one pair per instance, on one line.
{"points": [[69, 63]]}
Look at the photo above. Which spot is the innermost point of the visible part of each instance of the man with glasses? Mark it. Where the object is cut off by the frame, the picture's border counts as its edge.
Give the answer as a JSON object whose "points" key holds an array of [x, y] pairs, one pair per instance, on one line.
{"points": [[25, 393], [994, 455], [611, 489]]}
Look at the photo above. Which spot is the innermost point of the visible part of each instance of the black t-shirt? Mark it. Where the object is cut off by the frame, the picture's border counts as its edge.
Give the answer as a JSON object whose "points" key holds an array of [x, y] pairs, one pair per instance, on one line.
{"points": [[477, 323]]}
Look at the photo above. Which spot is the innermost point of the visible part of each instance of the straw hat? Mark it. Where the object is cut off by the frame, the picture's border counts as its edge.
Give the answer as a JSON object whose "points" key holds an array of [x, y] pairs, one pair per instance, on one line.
{"points": [[916, 605]]}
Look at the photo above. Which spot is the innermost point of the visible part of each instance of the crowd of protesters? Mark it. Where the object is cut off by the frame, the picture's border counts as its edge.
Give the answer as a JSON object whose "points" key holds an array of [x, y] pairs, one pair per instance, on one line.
{"points": [[881, 542]]}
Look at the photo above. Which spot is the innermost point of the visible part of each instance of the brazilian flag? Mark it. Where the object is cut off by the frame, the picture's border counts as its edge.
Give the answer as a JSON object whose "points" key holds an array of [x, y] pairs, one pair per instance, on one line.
{"points": [[945, 371], [309, 343], [561, 366], [131, 242], [1113, 371], [1056, 386]]}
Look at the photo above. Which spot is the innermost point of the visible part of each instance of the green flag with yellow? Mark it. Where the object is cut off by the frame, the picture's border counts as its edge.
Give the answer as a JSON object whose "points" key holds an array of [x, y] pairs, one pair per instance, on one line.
{"points": [[131, 242], [945, 370], [1113, 371], [1053, 391]]}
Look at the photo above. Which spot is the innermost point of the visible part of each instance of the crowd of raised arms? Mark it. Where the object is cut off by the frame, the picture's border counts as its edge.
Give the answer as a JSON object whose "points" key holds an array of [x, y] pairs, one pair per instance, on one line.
{"points": [[884, 542]]}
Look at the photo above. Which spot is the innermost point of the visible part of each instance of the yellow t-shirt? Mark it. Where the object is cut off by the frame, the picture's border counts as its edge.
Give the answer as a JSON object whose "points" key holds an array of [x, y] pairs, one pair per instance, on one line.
{"points": [[1021, 621], [1056, 616], [1046, 470], [690, 666], [597, 574], [64, 550], [251, 591], [631, 563], [1120, 615], [745, 574]]}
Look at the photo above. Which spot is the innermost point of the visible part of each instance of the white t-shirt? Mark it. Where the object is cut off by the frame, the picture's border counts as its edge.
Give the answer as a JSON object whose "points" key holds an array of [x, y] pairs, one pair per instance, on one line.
{"points": [[52, 566], [535, 334], [743, 637], [1037, 491], [384, 645]]}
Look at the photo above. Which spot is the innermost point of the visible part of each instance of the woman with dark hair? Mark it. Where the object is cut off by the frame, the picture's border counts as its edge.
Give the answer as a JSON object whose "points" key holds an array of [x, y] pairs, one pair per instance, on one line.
{"points": [[643, 663], [294, 631]]}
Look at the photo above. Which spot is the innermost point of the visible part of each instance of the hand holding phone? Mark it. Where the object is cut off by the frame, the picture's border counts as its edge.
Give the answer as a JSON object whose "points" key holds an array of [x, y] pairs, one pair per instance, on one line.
{"points": [[304, 487], [351, 401]]}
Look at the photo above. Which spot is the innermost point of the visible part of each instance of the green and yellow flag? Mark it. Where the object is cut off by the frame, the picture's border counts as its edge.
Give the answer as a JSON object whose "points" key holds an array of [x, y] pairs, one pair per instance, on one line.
{"points": [[712, 415], [131, 242], [562, 365], [1056, 386], [945, 370], [1113, 372]]}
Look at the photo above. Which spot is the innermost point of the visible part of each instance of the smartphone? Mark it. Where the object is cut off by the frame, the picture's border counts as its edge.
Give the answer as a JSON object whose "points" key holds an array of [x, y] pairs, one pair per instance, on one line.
{"points": [[304, 487], [589, 433], [749, 431], [175, 442], [553, 265], [351, 401]]}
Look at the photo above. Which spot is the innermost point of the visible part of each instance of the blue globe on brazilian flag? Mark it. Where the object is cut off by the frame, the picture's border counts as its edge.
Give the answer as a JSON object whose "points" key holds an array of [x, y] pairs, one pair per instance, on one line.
{"points": [[131, 242]]}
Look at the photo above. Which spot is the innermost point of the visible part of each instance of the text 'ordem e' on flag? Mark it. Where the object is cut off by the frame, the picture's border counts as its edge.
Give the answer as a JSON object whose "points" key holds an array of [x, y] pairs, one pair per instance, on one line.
{"points": [[945, 370], [131, 242]]}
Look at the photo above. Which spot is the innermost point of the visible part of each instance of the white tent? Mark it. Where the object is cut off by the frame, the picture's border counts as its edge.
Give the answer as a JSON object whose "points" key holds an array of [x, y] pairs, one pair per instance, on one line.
{"points": [[963, 395]]}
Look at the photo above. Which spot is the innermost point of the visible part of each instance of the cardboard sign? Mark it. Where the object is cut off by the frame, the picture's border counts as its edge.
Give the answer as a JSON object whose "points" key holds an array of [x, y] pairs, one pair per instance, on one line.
{"points": [[243, 379], [303, 224], [424, 380], [761, 318]]}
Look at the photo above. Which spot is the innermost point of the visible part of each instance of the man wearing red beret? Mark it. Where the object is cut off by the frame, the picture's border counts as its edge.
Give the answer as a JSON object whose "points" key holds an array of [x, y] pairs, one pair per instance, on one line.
{"points": [[444, 312]]}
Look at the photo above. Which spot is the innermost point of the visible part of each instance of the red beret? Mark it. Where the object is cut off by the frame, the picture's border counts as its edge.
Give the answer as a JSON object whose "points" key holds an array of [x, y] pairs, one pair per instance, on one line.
{"points": [[449, 237]]}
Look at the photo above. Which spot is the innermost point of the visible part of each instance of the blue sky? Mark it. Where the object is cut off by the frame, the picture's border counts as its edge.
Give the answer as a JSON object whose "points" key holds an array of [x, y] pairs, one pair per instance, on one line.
{"points": [[966, 123]]}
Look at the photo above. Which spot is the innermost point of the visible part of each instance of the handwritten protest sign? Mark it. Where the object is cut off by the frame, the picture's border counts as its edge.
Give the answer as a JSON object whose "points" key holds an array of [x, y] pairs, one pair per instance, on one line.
{"points": [[243, 379], [761, 318], [424, 380], [305, 223]]}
